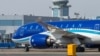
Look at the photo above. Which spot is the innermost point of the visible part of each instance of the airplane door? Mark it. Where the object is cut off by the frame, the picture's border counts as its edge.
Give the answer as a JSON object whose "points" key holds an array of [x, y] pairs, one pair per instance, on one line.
{"points": [[97, 26]]}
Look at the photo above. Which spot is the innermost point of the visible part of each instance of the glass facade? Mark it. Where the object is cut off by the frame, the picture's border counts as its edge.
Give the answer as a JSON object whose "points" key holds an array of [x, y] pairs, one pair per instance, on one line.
{"points": [[2, 31], [65, 12], [10, 22], [55, 12]]}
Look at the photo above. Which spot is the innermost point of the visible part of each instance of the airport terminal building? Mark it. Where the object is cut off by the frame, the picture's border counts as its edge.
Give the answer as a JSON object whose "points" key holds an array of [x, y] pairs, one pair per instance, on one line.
{"points": [[9, 23]]}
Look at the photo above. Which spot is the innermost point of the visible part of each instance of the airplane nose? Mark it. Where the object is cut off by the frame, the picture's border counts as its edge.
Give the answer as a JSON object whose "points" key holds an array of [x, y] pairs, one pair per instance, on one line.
{"points": [[14, 36]]}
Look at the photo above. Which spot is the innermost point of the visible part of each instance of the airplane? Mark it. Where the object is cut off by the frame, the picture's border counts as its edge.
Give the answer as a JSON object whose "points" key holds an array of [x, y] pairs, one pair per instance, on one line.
{"points": [[39, 34]]}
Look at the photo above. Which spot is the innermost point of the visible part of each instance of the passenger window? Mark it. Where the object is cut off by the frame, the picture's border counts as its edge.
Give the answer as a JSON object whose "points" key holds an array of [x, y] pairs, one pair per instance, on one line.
{"points": [[25, 27], [80, 25], [41, 27], [61, 26], [67, 26], [37, 27], [97, 26], [73, 26]]}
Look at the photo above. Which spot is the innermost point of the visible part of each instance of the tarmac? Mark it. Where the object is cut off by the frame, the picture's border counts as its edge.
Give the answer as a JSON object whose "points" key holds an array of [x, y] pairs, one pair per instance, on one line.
{"points": [[45, 52]]}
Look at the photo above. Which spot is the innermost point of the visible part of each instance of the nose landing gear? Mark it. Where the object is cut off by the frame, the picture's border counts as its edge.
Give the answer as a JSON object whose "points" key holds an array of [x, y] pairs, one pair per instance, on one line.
{"points": [[26, 48]]}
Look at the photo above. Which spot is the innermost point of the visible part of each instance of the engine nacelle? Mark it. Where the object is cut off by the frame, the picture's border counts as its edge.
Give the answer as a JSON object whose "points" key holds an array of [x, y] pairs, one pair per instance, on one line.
{"points": [[41, 41]]}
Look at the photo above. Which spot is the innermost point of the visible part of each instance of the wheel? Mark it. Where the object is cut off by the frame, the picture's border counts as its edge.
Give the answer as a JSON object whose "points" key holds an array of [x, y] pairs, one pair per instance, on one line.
{"points": [[99, 49], [26, 48], [80, 49]]}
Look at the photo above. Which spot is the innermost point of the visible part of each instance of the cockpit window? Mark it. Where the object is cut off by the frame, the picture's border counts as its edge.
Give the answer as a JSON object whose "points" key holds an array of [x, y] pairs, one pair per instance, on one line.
{"points": [[37, 27], [31, 27]]}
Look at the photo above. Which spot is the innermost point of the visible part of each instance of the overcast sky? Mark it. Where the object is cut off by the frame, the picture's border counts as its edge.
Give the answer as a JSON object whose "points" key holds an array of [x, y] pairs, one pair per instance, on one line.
{"points": [[88, 8]]}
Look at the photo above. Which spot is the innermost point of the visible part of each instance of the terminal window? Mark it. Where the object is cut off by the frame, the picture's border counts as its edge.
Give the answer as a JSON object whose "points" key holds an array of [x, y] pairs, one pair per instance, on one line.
{"points": [[10, 22]]}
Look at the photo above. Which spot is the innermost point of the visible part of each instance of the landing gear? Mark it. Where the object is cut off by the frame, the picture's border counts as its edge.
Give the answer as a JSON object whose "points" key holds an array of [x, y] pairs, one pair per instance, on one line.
{"points": [[80, 49], [26, 48]]}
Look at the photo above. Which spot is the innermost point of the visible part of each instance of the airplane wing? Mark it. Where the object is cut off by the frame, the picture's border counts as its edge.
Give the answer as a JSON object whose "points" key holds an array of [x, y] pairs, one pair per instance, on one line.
{"points": [[61, 33], [52, 28]]}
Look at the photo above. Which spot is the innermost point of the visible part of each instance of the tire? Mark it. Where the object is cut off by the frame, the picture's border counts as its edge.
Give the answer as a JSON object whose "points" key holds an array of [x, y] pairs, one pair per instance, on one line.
{"points": [[98, 49], [80, 49], [26, 48]]}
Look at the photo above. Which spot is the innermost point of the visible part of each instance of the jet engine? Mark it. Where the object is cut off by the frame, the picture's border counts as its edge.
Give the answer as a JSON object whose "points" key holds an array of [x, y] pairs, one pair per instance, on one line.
{"points": [[41, 41]]}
